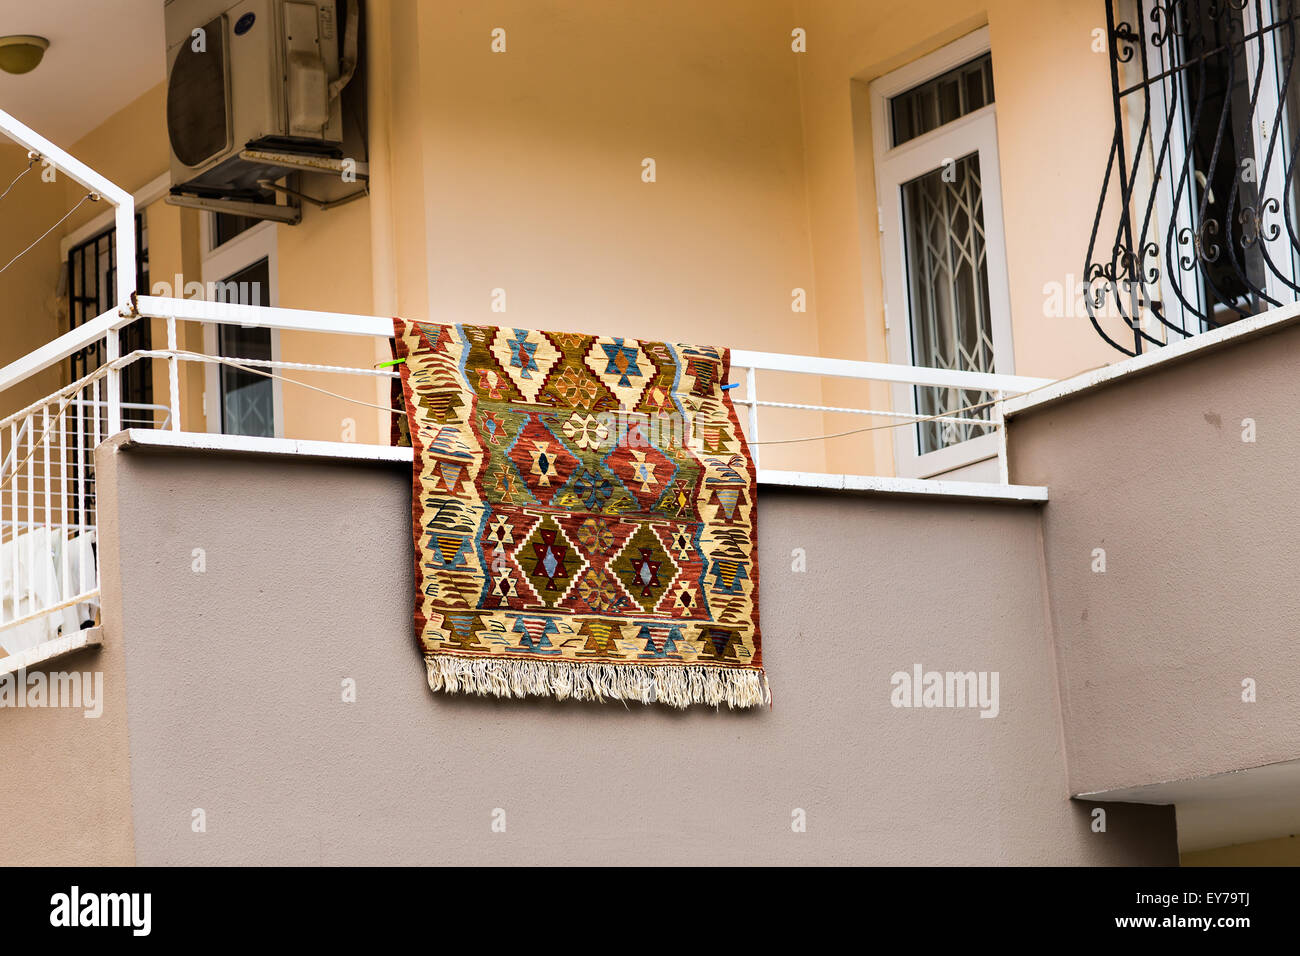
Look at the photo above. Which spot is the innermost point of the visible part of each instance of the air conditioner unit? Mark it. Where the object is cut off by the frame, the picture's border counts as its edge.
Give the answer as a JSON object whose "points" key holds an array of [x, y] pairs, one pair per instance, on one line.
{"points": [[258, 77]]}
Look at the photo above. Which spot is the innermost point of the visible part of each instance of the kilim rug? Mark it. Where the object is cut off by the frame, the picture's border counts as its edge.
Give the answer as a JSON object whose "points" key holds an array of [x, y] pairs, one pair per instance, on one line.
{"points": [[583, 510]]}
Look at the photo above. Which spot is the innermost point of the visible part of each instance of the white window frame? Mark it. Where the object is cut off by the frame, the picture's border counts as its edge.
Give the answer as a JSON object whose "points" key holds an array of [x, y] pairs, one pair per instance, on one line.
{"points": [[897, 165], [218, 264]]}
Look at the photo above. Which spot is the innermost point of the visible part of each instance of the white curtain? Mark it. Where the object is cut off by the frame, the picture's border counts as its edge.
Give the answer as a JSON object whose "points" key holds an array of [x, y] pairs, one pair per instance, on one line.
{"points": [[40, 558]]}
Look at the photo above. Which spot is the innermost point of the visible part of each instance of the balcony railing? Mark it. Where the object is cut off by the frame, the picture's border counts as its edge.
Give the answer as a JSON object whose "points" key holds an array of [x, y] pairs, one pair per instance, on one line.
{"points": [[47, 468]]}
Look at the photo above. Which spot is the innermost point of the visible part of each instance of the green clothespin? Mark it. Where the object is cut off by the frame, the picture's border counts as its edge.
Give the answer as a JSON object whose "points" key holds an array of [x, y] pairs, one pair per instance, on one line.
{"points": [[393, 362]]}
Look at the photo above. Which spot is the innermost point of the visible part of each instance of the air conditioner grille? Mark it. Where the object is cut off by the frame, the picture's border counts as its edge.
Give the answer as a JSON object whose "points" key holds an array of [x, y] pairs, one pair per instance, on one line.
{"points": [[196, 97]]}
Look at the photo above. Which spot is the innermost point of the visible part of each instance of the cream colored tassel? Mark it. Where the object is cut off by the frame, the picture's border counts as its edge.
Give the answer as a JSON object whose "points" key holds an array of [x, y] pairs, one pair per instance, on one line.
{"points": [[678, 685]]}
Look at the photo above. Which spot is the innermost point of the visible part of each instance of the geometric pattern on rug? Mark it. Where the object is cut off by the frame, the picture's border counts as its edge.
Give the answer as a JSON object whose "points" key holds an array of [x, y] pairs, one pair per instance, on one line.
{"points": [[584, 517]]}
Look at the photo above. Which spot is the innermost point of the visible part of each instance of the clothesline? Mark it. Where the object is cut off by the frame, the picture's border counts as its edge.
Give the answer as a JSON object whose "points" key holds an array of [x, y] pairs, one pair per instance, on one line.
{"points": [[92, 197], [234, 363], [237, 364]]}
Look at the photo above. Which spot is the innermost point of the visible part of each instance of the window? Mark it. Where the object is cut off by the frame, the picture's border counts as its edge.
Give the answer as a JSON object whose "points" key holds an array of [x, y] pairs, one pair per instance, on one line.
{"points": [[1197, 222], [92, 291], [945, 98], [940, 219], [241, 270], [247, 400], [226, 226]]}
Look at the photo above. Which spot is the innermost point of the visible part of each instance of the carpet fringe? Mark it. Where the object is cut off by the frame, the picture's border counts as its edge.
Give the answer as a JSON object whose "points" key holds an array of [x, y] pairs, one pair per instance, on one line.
{"points": [[678, 685]]}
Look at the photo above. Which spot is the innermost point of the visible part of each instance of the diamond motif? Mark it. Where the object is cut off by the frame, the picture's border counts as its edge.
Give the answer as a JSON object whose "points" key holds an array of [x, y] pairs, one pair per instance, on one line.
{"points": [[541, 459], [550, 560], [645, 568], [644, 470], [527, 358], [623, 367]]}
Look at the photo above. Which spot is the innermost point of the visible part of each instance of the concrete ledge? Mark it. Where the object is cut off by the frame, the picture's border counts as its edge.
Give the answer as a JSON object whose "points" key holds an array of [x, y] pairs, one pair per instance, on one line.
{"points": [[246, 444], [1275, 320], [921, 487], [47, 651], [148, 438]]}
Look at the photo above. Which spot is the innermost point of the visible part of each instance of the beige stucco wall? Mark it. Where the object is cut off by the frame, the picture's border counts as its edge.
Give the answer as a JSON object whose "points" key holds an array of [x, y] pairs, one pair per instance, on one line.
{"points": [[766, 176], [235, 678], [1199, 588], [65, 793]]}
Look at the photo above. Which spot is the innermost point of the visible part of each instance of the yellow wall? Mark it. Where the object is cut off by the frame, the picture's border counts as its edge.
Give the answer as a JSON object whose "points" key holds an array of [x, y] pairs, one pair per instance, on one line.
{"points": [[324, 264], [30, 307], [1052, 142], [532, 169], [522, 171]]}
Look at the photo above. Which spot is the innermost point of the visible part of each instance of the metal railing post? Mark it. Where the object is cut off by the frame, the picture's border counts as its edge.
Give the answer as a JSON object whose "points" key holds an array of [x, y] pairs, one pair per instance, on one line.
{"points": [[751, 393], [113, 419], [49, 500], [14, 512], [173, 376], [65, 541], [1000, 423], [31, 513], [3, 566]]}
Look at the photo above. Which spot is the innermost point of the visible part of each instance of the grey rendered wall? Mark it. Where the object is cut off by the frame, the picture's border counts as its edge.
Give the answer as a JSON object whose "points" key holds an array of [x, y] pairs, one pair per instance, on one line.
{"points": [[65, 791], [235, 705], [1202, 545]]}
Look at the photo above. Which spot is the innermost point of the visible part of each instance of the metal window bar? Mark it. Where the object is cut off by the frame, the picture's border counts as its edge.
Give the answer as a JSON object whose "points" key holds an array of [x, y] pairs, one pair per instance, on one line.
{"points": [[1196, 226]]}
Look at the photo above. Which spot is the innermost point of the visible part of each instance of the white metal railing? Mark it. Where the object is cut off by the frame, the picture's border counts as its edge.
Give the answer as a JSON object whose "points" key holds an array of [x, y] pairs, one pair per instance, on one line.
{"points": [[49, 576], [998, 386], [49, 569], [47, 472], [47, 477], [173, 310]]}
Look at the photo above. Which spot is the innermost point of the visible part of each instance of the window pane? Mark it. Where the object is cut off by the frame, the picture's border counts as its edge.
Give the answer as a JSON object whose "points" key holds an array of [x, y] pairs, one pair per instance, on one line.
{"points": [[225, 226], [247, 404], [943, 99], [948, 292]]}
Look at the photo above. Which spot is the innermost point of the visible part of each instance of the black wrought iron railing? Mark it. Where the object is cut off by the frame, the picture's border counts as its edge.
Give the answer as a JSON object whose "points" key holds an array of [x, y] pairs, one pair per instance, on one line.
{"points": [[1198, 224]]}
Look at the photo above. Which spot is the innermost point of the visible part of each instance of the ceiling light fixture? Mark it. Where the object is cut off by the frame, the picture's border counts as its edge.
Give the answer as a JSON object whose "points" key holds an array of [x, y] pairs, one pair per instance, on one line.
{"points": [[21, 53]]}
